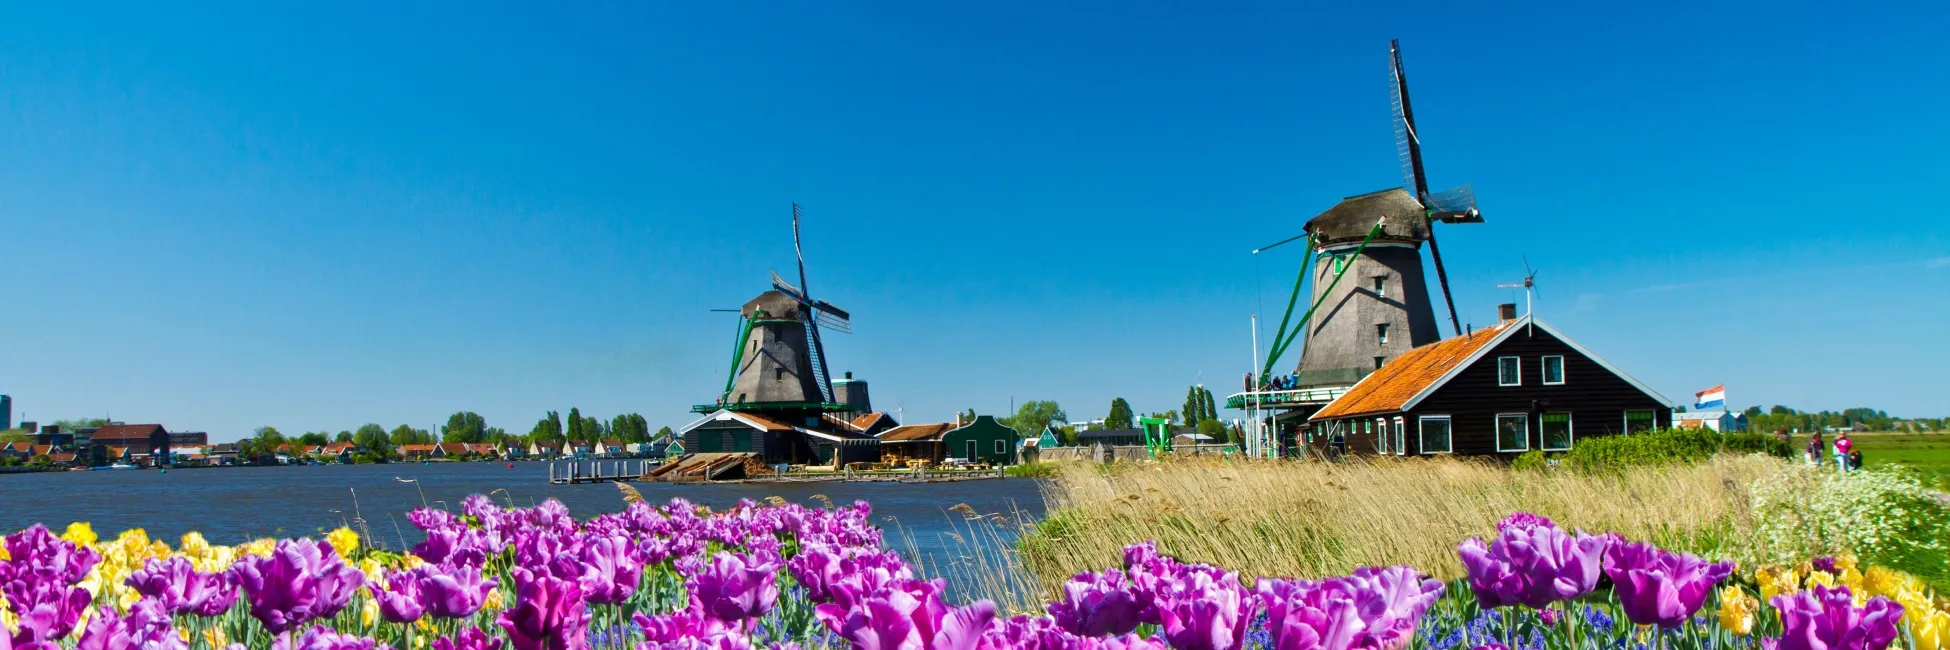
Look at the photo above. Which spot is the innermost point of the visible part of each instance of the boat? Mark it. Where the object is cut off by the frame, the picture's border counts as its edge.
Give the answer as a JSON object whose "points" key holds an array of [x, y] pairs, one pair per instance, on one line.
{"points": [[115, 466]]}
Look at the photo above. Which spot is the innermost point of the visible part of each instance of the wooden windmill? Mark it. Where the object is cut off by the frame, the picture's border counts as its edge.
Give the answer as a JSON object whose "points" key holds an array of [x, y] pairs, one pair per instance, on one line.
{"points": [[1353, 326], [780, 362]]}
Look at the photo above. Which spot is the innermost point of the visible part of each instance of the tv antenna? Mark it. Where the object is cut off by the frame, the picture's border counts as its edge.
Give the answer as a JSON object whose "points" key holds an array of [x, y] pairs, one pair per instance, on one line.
{"points": [[1529, 286]]}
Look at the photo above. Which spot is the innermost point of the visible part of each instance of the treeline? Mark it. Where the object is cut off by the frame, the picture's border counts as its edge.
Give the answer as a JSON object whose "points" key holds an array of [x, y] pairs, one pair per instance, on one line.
{"points": [[1782, 417], [1201, 414], [461, 427]]}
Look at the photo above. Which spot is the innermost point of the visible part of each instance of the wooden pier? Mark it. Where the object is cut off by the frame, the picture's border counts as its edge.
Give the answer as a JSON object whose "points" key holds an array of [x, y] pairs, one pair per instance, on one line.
{"points": [[576, 472]]}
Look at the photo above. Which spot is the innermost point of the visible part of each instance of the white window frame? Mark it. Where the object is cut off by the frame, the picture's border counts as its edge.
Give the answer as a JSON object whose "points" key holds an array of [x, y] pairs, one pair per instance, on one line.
{"points": [[1570, 430], [1001, 447], [1499, 433], [1381, 436], [1516, 361], [1421, 437], [1627, 415], [1401, 436], [1546, 370]]}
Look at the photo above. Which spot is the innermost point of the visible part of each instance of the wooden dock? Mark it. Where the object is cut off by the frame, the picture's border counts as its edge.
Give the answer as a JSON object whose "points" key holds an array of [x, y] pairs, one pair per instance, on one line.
{"points": [[576, 472]]}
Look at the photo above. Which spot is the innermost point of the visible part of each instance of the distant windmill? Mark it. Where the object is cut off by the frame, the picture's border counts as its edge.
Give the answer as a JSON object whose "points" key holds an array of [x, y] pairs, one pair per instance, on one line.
{"points": [[1529, 286], [780, 362]]}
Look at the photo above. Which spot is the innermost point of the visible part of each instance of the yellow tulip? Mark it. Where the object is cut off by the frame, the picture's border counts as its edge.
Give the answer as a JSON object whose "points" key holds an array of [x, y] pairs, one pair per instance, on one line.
{"points": [[1775, 581], [493, 601], [1737, 610], [216, 637], [79, 533], [194, 546], [343, 540], [259, 548], [369, 612]]}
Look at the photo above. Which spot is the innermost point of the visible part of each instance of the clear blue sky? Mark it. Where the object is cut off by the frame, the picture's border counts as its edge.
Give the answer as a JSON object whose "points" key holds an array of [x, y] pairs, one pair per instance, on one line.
{"points": [[224, 217]]}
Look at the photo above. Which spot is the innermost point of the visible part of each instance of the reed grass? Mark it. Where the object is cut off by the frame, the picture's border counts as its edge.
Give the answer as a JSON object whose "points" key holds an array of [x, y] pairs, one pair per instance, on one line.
{"points": [[1311, 519]]}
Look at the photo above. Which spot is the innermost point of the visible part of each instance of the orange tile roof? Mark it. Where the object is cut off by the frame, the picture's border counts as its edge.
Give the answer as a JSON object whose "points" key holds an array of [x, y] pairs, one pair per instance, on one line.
{"points": [[913, 432], [767, 423], [414, 448], [867, 420], [1401, 379]]}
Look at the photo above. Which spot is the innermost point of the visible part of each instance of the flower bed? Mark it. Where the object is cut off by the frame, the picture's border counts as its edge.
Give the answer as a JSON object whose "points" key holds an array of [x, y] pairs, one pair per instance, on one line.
{"points": [[786, 576]]}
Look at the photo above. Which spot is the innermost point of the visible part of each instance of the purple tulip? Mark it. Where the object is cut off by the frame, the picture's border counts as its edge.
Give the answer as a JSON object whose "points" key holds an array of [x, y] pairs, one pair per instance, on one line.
{"points": [[1204, 613], [177, 585], [320, 637], [736, 587], [611, 569], [106, 631], [549, 613], [453, 591], [401, 600], [302, 580], [1390, 601], [1826, 564], [1373, 608], [469, 638], [38, 581], [150, 627], [1097, 605], [688, 629], [1825, 618], [1533, 563], [1657, 587], [1524, 520], [909, 615]]}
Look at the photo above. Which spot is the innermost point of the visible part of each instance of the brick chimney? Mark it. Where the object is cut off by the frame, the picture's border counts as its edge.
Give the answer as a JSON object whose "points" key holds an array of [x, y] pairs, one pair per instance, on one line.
{"points": [[1506, 312]]}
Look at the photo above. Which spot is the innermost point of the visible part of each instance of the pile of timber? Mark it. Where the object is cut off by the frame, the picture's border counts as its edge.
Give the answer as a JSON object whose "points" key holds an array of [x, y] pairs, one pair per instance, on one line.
{"points": [[711, 466]]}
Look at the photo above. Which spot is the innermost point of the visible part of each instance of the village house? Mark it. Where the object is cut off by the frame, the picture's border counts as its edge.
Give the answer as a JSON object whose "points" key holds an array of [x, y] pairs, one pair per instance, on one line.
{"points": [[611, 448], [1503, 390], [416, 451], [1111, 437], [983, 440], [775, 442], [544, 450], [142, 440], [1717, 420]]}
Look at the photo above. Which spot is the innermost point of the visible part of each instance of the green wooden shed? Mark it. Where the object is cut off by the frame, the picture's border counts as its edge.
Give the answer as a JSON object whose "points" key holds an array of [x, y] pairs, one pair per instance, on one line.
{"points": [[1049, 439], [983, 441]]}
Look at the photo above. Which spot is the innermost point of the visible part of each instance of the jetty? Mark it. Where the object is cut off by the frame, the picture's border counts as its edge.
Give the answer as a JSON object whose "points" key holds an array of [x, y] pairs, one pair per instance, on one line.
{"points": [[599, 471]]}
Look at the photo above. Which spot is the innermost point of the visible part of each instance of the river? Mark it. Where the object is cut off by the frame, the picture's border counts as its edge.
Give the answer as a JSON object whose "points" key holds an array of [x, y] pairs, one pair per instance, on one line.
{"points": [[230, 505]]}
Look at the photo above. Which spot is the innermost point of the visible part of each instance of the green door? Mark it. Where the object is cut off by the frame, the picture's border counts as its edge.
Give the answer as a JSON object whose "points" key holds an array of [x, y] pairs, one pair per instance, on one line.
{"points": [[710, 440], [742, 440]]}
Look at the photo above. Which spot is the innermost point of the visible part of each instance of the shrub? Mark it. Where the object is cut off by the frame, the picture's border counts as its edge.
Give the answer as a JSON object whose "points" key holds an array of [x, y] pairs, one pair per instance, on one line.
{"points": [[1530, 460], [1886, 515], [1668, 446], [1030, 470]]}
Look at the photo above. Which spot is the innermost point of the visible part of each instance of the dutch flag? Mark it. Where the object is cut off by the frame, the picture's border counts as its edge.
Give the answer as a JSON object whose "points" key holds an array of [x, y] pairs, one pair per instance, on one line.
{"points": [[1711, 397]]}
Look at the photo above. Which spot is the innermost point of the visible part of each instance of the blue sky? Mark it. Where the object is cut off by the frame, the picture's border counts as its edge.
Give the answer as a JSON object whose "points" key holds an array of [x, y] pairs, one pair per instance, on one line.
{"points": [[222, 217]]}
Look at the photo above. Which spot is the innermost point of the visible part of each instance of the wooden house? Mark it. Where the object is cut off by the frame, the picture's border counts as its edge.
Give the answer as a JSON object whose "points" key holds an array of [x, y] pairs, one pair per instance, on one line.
{"points": [[914, 442], [1503, 390], [983, 440], [1112, 437], [775, 442]]}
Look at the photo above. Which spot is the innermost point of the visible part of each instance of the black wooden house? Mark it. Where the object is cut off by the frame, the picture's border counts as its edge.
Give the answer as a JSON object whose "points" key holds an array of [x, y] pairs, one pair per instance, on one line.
{"points": [[1504, 390]]}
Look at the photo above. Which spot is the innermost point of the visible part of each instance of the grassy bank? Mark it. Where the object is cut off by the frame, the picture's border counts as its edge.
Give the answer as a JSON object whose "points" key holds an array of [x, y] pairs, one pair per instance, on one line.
{"points": [[1314, 519], [1927, 453]]}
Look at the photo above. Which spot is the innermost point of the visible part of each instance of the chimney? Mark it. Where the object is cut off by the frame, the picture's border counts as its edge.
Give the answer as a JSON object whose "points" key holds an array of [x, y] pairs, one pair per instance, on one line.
{"points": [[1506, 312]]}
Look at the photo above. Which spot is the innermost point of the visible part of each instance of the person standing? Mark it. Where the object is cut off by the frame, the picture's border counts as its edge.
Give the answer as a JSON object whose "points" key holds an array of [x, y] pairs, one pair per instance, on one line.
{"points": [[1842, 447], [1815, 449]]}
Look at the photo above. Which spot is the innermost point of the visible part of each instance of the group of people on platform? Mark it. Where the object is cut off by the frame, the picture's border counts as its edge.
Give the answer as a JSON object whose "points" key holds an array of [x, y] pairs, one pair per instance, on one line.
{"points": [[1847, 457], [1289, 381]]}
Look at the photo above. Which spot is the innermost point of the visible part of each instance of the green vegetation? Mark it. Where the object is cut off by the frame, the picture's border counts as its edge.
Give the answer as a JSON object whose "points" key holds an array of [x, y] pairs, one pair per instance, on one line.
{"points": [[1120, 416], [1033, 415], [1667, 446], [1030, 470]]}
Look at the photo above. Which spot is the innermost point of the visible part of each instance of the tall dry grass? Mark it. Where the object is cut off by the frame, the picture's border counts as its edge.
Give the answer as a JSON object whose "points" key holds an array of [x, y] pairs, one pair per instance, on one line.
{"points": [[1312, 519]]}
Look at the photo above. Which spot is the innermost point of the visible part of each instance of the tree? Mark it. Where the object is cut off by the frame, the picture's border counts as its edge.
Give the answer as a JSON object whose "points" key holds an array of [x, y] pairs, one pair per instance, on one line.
{"points": [[315, 439], [1193, 406], [1120, 415], [1032, 416], [575, 425], [1211, 411], [270, 435], [968, 416], [549, 429], [465, 426], [666, 433], [630, 427], [344, 436], [594, 428], [1214, 428], [407, 435], [373, 438]]}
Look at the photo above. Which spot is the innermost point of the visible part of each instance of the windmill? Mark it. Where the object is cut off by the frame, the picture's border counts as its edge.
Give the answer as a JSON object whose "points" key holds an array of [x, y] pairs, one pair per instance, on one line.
{"points": [[1455, 205], [1529, 286], [780, 362]]}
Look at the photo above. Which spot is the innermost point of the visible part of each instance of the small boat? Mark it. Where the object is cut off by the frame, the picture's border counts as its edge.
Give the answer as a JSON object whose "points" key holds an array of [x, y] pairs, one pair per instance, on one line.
{"points": [[116, 466]]}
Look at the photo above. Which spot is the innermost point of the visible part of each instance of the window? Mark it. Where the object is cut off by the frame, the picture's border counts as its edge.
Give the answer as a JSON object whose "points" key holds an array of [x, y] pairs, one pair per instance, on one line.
{"points": [[778, 374], [1509, 371], [1401, 437], [1340, 262], [1513, 432], [1557, 431], [1638, 421], [1001, 448], [1380, 286], [1378, 361], [1553, 370], [1381, 435], [1435, 434], [971, 450], [1381, 334]]}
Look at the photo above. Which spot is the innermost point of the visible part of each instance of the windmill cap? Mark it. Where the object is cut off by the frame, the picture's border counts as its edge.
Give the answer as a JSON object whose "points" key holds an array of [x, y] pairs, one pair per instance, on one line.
{"points": [[776, 304], [1349, 221]]}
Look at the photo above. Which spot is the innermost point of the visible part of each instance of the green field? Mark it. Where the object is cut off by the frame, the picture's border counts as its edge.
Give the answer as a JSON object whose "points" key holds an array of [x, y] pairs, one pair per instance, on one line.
{"points": [[1927, 452]]}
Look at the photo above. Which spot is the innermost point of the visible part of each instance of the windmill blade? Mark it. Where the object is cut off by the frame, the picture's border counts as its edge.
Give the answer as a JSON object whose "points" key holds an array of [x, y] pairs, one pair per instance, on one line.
{"points": [[790, 291], [805, 290], [1455, 205], [833, 317], [1408, 143]]}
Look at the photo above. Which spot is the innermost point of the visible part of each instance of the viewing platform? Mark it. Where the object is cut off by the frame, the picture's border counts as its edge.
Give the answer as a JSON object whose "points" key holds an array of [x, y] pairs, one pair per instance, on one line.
{"points": [[1279, 399]]}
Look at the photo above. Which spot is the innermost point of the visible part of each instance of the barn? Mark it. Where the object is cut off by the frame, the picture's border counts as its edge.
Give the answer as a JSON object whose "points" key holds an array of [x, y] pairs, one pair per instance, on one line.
{"points": [[1504, 390]]}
